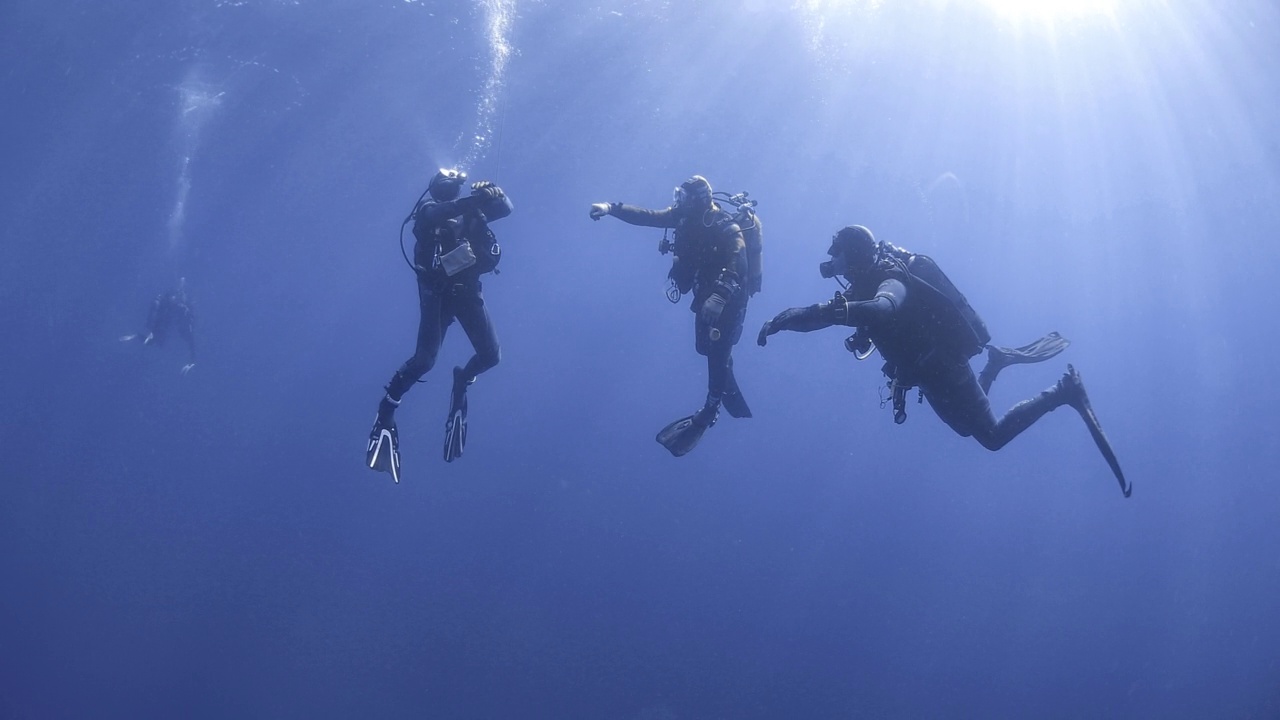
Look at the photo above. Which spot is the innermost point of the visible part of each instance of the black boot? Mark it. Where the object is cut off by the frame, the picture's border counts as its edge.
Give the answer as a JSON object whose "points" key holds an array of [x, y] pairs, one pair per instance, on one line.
{"points": [[710, 411], [387, 409]]}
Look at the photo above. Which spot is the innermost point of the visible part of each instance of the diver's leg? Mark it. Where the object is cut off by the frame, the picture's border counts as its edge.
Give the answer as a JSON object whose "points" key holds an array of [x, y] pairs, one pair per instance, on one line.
{"points": [[731, 397], [467, 304], [383, 453], [717, 351], [189, 336], [955, 395], [1026, 413], [473, 315], [682, 436], [431, 327]]}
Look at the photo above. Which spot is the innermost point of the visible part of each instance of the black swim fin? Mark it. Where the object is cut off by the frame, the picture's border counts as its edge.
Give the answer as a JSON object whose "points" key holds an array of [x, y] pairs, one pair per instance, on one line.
{"points": [[732, 398], [1079, 399], [735, 404], [383, 453], [683, 435], [455, 428], [999, 358]]}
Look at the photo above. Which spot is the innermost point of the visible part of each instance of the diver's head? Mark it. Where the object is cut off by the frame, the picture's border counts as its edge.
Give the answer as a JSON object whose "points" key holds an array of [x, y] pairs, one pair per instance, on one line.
{"points": [[693, 195], [852, 250], [446, 184]]}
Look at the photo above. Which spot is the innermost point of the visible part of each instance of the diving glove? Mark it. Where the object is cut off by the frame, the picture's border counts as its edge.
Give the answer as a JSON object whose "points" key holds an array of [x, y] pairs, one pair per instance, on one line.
{"points": [[486, 189], [599, 210], [712, 308]]}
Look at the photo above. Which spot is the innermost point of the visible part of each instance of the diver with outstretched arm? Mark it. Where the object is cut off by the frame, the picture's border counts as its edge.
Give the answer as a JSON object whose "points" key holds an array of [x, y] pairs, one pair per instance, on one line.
{"points": [[454, 247], [905, 307], [710, 261]]}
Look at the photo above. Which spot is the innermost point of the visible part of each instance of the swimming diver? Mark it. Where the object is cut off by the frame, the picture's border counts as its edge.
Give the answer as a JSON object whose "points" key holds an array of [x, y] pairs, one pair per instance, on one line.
{"points": [[454, 247], [905, 307], [170, 309], [709, 261]]}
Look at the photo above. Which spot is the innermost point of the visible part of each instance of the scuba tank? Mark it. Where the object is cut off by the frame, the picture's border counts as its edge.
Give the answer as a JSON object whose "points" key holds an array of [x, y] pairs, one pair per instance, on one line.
{"points": [[957, 324], [752, 232]]}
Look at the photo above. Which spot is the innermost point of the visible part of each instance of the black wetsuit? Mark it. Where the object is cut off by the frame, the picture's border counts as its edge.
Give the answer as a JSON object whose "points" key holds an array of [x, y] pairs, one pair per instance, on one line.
{"points": [[710, 258], [918, 334], [440, 227], [170, 310]]}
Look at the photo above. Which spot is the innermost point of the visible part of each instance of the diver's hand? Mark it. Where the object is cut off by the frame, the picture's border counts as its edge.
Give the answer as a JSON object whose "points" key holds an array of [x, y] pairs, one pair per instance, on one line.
{"points": [[765, 331], [599, 210], [486, 189], [712, 308], [780, 322], [187, 368]]}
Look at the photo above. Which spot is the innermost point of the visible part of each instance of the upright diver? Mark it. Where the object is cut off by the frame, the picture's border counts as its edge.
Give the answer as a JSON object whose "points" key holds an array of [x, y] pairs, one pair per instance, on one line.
{"points": [[168, 310], [710, 260], [454, 247], [905, 307]]}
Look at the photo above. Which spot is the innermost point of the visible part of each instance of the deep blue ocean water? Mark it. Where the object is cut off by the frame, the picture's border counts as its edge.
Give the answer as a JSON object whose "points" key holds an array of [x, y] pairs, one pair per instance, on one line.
{"points": [[210, 546]]}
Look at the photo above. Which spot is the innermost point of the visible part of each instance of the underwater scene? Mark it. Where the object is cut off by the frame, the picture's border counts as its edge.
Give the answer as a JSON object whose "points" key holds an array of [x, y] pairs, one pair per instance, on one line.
{"points": [[639, 360]]}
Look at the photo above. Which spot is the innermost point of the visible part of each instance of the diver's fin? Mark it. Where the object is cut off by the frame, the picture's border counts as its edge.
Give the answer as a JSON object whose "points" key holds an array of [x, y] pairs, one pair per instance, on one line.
{"points": [[999, 358], [1038, 351], [732, 398], [383, 454], [455, 428], [1077, 398], [735, 404], [683, 435]]}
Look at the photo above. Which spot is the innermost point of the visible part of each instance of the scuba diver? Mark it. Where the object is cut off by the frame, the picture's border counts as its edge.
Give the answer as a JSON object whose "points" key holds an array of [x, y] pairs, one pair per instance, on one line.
{"points": [[170, 309], [904, 306], [711, 260], [454, 247]]}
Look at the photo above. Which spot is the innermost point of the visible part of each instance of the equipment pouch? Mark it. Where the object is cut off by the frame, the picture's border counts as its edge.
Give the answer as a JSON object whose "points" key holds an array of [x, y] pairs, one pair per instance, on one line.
{"points": [[458, 259]]}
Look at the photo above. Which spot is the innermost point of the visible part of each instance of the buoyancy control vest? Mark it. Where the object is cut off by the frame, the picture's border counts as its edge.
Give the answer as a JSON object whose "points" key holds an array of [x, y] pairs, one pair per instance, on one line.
{"points": [[937, 319], [436, 240]]}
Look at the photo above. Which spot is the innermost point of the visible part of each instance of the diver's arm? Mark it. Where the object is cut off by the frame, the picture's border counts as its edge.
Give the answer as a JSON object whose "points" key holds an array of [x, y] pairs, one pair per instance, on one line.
{"points": [[435, 213], [889, 297], [799, 319], [839, 311], [735, 250], [633, 215]]}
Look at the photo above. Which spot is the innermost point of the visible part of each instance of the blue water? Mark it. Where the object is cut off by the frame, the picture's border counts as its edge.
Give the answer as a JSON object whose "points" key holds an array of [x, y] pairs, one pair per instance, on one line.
{"points": [[210, 546]]}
